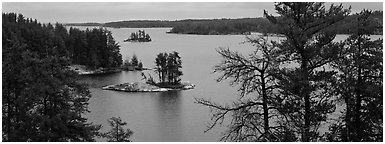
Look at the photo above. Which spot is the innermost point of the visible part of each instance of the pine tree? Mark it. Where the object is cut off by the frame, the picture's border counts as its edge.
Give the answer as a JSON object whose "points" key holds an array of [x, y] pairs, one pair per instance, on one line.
{"points": [[174, 64], [117, 132], [134, 61], [306, 98], [42, 100], [161, 66], [252, 112], [140, 65], [168, 68], [360, 84]]}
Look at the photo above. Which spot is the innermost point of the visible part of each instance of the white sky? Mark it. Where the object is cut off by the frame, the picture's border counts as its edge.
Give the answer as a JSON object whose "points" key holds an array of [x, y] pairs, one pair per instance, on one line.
{"points": [[67, 12]]}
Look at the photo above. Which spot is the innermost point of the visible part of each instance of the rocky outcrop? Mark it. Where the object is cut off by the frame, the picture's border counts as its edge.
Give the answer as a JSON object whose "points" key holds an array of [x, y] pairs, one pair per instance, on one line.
{"points": [[144, 87]]}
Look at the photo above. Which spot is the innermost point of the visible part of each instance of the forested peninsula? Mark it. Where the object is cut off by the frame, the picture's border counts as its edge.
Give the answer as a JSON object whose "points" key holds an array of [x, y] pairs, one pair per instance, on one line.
{"points": [[227, 26], [93, 48], [42, 99]]}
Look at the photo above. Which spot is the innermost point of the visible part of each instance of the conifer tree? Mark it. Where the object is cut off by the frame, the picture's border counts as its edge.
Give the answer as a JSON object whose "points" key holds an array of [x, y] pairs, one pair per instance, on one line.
{"points": [[134, 61], [360, 84], [306, 98], [168, 67], [252, 112], [42, 100], [117, 132]]}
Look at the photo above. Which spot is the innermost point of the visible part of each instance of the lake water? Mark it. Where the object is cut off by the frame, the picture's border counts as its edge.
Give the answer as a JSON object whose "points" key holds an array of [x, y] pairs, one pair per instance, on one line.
{"points": [[166, 116]]}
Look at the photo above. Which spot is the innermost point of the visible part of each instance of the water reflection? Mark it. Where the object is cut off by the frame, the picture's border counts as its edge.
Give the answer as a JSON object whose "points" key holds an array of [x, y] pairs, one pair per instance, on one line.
{"points": [[169, 115]]}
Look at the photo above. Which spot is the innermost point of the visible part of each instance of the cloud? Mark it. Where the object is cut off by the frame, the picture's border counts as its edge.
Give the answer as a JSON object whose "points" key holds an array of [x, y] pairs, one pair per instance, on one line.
{"points": [[116, 11]]}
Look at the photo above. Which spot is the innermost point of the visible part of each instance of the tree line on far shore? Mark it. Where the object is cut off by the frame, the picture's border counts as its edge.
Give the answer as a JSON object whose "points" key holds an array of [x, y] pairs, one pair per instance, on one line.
{"points": [[230, 26]]}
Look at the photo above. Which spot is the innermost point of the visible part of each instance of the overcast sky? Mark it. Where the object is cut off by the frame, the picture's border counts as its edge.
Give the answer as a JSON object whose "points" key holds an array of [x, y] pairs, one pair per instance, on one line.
{"points": [[107, 12]]}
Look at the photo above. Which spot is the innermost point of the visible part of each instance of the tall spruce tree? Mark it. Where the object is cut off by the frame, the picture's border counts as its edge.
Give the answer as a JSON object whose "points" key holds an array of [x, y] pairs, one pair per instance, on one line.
{"points": [[306, 98], [360, 84]]}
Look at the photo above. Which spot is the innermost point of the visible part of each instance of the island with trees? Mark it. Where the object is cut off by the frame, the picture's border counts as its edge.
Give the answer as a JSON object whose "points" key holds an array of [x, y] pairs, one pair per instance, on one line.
{"points": [[42, 99], [168, 69], [139, 36]]}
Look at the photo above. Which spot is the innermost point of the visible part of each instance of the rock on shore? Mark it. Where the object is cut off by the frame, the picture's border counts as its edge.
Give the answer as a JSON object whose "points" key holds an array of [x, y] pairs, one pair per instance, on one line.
{"points": [[144, 87]]}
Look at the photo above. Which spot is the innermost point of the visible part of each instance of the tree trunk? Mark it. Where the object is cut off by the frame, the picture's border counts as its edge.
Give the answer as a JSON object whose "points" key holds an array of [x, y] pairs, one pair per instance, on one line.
{"points": [[357, 121], [117, 131], [159, 74], [347, 120], [306, 96], [9, 114], [265, 108], [307, 118]]}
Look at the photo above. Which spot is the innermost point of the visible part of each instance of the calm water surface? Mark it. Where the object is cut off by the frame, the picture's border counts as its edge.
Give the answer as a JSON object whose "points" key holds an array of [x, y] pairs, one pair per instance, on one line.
{"points": [[166, 116]]}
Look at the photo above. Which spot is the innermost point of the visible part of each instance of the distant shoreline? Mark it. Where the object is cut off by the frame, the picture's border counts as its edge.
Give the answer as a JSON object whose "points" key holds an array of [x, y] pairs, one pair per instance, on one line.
{"points": [[223, 26]]}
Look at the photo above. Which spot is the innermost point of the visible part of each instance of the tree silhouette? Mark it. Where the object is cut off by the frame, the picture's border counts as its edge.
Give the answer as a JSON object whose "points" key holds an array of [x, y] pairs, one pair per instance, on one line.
{"points": [[42, 100], [117, 132], [168, 68], [306, 96], [250, 114], [360, 85], [303, 86]]}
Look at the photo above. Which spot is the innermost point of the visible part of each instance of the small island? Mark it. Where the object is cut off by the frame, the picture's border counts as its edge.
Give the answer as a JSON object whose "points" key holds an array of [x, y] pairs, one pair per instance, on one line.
{"points": [[140, 36], [168, 69], [145, 87]]}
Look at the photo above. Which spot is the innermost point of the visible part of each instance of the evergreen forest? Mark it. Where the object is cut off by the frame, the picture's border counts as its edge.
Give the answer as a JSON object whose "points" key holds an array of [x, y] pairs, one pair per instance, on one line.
{"points": [[226, 26], [290, 89], [41, 98], [287, 90]]}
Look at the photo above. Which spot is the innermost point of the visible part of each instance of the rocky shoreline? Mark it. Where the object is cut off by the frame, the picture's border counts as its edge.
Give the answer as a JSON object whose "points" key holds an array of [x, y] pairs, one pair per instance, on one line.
{"points": [[83, 70], [144, 87]]}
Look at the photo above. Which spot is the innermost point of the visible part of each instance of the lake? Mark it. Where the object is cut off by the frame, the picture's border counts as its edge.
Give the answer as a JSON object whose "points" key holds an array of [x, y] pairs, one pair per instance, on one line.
{"points": [[166, 116]]}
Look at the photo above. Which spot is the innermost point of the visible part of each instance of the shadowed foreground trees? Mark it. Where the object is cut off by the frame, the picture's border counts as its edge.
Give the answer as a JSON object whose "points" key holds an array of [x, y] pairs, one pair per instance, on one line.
{"points": [[41, 98], [305, 87], [117, 132], [360, 85], [251, 115], [306, 99]]}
